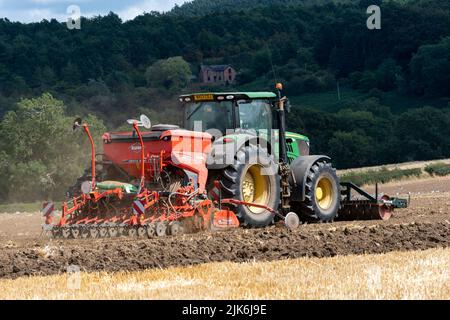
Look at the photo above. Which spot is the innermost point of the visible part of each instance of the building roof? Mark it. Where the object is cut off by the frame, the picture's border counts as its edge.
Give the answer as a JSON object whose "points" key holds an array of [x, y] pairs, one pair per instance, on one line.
{"points": [[217, 67]]}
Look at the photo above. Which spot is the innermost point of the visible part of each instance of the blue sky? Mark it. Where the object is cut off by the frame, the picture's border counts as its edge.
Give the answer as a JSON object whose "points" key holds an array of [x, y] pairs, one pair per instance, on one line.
{"points": [[37, 10]]}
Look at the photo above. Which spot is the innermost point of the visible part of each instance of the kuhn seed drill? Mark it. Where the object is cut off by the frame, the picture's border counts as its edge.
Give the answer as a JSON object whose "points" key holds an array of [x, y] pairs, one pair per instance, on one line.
{"points": [[166, 180]]}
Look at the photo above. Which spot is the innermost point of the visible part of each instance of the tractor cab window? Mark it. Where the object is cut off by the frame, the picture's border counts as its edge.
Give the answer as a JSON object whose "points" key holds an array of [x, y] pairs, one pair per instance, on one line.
{"points": [[255, 115], [209, 115]]}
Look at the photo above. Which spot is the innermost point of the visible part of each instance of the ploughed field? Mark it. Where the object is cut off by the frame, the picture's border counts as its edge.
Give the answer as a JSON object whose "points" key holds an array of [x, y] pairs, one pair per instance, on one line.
{"points": [[425, 225]]}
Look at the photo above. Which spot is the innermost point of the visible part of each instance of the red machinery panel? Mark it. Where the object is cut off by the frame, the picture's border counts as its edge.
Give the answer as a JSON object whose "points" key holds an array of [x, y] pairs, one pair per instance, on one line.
{"points": [[184, 149]]}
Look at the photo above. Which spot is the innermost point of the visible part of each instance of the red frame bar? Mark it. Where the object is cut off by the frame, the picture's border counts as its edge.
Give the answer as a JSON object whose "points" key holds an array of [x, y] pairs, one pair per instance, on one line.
{"points": [[248, 204], [141, 141], [93, 163]]}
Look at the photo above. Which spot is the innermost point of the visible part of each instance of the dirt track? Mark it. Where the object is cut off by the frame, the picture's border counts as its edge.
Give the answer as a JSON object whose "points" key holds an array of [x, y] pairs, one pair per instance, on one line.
{"points": [[426, 224]]}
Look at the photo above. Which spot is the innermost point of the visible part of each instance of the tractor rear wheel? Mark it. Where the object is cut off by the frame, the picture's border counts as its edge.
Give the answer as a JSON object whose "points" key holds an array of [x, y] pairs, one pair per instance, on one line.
{"points": [[253, 178], [322, 193]]}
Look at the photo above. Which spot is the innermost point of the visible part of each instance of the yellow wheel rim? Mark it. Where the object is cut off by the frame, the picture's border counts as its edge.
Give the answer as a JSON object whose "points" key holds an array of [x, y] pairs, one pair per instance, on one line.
{"points": [[324, 193], [255, 188]]}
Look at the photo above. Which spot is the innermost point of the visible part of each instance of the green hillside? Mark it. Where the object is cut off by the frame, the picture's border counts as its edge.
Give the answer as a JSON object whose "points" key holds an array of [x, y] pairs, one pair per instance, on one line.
{"points": [[394, 84]]}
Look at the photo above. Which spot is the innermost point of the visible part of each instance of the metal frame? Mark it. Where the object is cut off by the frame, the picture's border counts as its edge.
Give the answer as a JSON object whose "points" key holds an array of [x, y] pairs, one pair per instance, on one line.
{"points": [[351, 186]]}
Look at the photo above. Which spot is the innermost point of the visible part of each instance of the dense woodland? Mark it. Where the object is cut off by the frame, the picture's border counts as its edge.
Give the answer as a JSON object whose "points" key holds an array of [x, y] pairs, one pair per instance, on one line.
{"points": [[111, 71]]}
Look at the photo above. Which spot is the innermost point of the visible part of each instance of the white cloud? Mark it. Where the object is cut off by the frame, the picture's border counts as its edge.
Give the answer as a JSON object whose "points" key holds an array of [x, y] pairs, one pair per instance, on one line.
{"points": [[33, 15], [37, 10]]}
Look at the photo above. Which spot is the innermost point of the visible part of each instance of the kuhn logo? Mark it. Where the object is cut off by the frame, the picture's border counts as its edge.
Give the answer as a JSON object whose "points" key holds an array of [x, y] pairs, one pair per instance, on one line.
{"points": [[136, 147]]}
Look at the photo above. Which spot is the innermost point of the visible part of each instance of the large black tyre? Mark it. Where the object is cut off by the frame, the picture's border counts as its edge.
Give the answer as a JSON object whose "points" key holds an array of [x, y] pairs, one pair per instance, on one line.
{"points": [[253, 168], [322, 193]]}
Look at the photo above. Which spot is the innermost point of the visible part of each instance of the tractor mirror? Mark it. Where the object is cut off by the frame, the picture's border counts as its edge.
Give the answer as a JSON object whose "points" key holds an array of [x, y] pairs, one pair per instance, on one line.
{"points": [[77, 123]]}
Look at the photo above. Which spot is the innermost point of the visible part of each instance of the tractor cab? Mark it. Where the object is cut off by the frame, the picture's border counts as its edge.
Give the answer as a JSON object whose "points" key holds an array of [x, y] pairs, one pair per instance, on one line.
{"points": [[226, 115], [228, 111]]}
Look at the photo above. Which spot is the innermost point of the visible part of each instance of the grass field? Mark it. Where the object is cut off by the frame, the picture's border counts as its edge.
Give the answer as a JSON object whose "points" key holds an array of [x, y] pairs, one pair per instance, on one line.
{"points": [[20, 207], [406, 275], [398, 172]]}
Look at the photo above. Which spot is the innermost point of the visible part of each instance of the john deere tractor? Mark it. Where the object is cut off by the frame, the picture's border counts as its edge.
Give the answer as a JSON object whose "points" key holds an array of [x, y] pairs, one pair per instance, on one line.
{"points": [[233, 164], [257, 161]]}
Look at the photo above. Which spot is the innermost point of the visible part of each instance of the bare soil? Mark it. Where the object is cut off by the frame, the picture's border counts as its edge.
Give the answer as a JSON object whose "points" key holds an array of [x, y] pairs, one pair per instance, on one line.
{"points": [[426, 224]]}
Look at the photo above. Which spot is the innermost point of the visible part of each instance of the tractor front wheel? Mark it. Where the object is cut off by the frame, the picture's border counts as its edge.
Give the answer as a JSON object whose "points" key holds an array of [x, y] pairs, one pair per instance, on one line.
{"points": [[322, 193]]}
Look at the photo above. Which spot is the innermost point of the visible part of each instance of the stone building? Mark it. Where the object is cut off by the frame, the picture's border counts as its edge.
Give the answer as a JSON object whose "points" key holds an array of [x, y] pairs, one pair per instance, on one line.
{"points": [[217, 74]]}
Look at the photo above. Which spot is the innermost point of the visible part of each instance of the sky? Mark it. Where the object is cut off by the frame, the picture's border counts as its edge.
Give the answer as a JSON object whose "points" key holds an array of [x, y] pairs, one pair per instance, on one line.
{"points": [[37, 10]]}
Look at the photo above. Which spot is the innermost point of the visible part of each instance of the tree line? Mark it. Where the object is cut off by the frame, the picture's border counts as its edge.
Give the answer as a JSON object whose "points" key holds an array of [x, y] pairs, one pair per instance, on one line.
{"points": [[110, 71], [305, 43]]}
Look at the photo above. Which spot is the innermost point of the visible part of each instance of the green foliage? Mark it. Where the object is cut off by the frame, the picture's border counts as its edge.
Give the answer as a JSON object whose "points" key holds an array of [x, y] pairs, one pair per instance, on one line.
{"points": [[379, 176], [350, 148], [310, 82], [387, 74], [173, 74], [202, 7], [424, 134], [365, 132], [430, 68], [21, 207], [40, 153], [248, 34], [438, 169], [117, 70]]}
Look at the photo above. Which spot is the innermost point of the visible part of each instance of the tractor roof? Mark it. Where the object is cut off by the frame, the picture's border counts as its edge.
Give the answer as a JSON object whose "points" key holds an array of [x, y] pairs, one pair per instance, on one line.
{"points": [[212, 96]]}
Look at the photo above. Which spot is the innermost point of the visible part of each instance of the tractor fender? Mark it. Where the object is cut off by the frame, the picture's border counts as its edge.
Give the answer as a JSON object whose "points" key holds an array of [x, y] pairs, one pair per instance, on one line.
{"points": [[299, 168], [224, 149]]}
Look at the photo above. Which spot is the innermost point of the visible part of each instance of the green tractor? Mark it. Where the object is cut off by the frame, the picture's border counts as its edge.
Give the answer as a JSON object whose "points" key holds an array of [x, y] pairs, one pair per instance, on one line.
{"points": [[258, 162], [249, 166]]}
